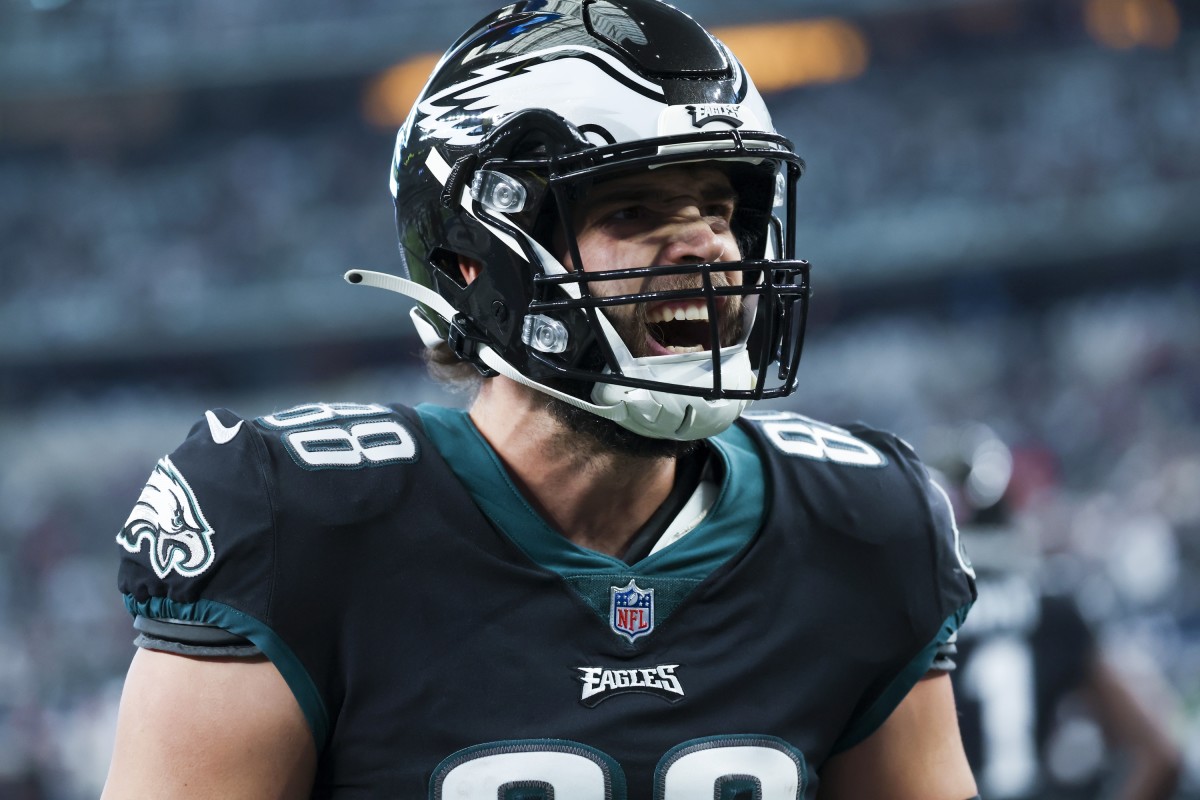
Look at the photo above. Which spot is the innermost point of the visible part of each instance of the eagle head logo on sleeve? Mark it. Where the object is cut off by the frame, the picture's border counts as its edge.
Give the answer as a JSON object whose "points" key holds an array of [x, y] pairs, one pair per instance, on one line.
{"points": [[168, 521]]}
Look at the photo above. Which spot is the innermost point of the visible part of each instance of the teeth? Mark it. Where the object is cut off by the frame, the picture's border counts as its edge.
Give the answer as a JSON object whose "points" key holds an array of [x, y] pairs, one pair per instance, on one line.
{"points": [[678, 313], [696, 348]]}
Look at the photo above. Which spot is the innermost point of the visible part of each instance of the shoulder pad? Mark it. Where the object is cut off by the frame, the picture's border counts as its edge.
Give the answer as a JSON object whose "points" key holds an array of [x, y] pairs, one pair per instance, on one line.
{"points": [[792, 434], [320, 436], [865, 487], [209, 521], [207, 498]]}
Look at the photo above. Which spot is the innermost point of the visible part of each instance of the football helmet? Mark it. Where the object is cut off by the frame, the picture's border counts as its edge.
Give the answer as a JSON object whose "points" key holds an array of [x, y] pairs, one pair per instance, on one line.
{"points": [[975, 468], [529, 109]]}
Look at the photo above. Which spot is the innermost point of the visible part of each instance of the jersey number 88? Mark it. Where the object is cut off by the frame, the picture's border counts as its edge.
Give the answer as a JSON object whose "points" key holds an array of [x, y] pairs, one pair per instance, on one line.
{"points": [[725, 767]]}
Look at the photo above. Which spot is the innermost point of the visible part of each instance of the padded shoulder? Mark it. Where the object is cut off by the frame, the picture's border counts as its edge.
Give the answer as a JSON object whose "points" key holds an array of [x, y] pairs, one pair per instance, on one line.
{"points": [[204, 505], [868, 487], [208, 522], [865, 485], [861, 482], [340, 464], [798, 436], [254, 526]]}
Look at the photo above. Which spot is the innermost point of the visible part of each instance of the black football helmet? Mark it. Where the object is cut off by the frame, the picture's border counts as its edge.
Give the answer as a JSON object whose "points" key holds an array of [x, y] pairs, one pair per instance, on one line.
{"points": [[531, 107], [975, 467]]}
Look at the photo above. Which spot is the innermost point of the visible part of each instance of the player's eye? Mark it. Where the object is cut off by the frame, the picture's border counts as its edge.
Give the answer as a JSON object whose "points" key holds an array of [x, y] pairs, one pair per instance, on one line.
{"points": [[723, 209], [627, 213]]}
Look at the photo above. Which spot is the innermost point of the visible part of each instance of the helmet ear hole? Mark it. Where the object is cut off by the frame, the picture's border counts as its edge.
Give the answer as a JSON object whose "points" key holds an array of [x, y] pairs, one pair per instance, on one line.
{"points": [[469, 268], [449, 265]]}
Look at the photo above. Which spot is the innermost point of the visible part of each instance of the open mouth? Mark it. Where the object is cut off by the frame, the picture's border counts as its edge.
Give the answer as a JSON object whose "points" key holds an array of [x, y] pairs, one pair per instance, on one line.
{"points": [[678, 327]]}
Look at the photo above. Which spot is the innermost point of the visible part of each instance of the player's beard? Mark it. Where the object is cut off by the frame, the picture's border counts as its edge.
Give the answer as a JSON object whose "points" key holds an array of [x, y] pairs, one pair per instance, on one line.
{"points": [[630, 323], [609, 436]]}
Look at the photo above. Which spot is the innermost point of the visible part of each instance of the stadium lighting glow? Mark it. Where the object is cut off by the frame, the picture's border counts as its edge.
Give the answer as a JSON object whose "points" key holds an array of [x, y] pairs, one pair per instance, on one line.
{"points": [[1125, 24], [785, 55], [391, 94]]}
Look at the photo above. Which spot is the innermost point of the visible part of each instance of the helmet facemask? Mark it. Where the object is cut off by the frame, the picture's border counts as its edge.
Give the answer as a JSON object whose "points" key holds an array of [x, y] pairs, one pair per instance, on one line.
{"points": [[574, 319]]}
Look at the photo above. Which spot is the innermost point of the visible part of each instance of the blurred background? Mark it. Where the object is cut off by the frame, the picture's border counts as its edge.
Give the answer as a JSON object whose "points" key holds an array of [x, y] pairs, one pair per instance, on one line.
{"points": [[1002, 206]]}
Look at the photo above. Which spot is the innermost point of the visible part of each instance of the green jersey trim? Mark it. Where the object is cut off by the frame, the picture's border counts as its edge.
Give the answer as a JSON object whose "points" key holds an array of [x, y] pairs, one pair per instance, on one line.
{"points": [[272, 646], [898, 689], [734, 518]]}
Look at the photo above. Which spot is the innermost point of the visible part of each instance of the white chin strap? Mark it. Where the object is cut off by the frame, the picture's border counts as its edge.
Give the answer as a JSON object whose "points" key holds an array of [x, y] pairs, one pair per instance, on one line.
{"points": [[657, 415]]}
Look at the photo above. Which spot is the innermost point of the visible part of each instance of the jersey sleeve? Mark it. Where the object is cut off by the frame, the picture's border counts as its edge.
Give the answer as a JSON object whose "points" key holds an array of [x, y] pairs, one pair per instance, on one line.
{"points": [[941, 587], [198, 546], [199, 549], [262, 529]]}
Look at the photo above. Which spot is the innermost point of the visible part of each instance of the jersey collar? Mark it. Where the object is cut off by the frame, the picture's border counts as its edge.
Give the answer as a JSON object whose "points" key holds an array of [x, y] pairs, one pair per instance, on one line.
{"points": [[734, 517]]}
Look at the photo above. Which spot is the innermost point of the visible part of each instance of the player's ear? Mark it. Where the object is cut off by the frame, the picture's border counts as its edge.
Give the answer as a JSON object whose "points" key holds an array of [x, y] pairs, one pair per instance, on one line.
{"points": [[470, 268]]}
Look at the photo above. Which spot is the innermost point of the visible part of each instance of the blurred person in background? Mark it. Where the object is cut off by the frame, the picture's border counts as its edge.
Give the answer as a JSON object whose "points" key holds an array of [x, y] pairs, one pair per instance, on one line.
{"points": [[25, 785], [1029, 664], [603, 580]]}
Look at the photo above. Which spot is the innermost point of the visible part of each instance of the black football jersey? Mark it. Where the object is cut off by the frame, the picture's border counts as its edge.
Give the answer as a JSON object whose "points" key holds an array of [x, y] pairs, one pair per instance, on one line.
{"points": [[1024, 654], [444, 642]]}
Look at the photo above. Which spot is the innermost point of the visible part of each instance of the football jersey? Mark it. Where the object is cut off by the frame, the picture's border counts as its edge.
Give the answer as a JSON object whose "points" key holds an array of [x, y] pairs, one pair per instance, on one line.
{"points": [[1023, 654], [444, 641]]}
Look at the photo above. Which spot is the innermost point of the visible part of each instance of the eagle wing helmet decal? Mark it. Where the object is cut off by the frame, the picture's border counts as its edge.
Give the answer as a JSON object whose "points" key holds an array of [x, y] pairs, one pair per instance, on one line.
{"points": [[168, 519], [452, 115]]}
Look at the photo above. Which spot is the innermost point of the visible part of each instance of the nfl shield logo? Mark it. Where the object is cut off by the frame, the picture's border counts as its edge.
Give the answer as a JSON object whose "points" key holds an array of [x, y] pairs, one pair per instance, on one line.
{"points": [[631, 611]]}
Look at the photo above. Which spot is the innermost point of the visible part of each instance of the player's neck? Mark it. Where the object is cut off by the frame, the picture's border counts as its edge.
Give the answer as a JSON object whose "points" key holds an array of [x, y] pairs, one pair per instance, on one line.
{"points": [[597, 499]]}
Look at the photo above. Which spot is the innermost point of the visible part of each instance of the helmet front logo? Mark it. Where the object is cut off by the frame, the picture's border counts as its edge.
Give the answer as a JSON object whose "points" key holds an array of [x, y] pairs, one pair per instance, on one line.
{"points": [[728, 113]]}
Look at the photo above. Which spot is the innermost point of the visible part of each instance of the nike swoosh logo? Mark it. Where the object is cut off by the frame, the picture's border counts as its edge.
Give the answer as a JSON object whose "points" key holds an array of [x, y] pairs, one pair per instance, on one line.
{"points": [[220, 433]]}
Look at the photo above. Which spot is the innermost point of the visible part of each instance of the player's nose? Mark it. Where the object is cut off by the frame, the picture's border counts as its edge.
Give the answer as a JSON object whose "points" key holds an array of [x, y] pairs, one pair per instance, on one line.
{"points": [[691, 237]]}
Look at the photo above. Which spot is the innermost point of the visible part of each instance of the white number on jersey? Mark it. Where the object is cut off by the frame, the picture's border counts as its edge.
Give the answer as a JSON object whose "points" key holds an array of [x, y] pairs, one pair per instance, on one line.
{"points": [[797, 435], [999, 676], [346, 440], [309, 413], [766, 767]]}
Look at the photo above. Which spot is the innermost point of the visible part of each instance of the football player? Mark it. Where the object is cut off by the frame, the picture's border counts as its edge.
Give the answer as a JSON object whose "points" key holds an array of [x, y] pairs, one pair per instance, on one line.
{"points": [[606, 578], [1029, 652]]}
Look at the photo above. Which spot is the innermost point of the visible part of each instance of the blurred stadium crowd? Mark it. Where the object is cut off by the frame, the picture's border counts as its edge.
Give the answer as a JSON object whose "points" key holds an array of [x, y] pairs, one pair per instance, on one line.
{"points": [[195, 231], [1003, 234]]}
